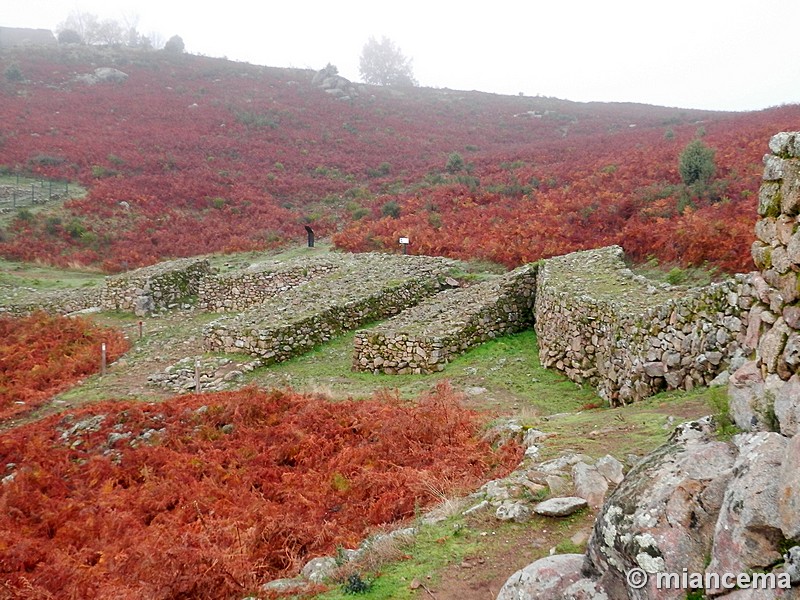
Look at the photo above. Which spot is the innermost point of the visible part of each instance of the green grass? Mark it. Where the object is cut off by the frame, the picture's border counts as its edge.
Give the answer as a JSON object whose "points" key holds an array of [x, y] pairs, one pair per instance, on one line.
{"points": [[435, 547], [507, 367], [634, 429], [42, 277], [24, 184], [677, 275]]}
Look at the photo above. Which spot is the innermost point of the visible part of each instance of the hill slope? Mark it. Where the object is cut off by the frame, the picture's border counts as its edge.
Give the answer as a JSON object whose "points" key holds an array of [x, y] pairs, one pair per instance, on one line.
{"points": [[191, 155]]}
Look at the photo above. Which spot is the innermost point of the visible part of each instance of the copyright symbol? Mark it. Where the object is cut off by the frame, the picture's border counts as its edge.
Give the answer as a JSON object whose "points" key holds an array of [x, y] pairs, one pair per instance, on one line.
{"points": [[637, 578]]}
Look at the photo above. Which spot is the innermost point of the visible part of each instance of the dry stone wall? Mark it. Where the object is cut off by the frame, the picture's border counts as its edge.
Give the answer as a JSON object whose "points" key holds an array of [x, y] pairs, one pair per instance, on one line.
{"points": [[600, 324], [765, 392], [55, 302], [366, 287], [425, 338], [245, 288], [159, 286], [715, 506]]}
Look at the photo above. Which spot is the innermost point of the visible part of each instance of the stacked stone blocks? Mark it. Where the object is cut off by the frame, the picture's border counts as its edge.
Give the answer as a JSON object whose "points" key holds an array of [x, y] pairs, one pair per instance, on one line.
{"points": [[764, 392], [600, 324], [425, 338], [243, 289], [370, 287], [151, 288]]}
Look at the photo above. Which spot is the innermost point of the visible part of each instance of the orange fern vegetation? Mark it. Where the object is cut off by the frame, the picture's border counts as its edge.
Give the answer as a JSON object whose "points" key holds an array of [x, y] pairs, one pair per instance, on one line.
{"points": [[207, 496], [41, 355]]}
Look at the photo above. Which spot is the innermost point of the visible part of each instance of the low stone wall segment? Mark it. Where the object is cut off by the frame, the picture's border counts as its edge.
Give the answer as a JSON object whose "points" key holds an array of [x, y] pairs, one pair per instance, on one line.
{"points": [[601, 324], [425, 338], [60, 302], [158, 286], [245, 288], [366, 288]]}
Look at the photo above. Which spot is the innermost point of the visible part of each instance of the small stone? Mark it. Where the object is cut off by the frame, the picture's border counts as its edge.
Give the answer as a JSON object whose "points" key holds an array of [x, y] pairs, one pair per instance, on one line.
{"points": [[589, 484], [792, 558], [513, 511], [560, 507], [318, 569], [482, 505]]}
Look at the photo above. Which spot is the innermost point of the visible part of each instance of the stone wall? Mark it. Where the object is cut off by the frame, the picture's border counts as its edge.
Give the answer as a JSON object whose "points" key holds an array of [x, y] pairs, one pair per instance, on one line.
{"points": [[367, 287], [425, 338], [600, 324], [764, 393], [708, 505], [60, 302], [158, 286], [242, 289]]}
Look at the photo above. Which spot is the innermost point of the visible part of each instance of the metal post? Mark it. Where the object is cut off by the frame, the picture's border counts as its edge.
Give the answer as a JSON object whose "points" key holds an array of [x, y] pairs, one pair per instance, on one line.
{"points": [[140, 329], [103, 359], [197, 377], [33, 192]]}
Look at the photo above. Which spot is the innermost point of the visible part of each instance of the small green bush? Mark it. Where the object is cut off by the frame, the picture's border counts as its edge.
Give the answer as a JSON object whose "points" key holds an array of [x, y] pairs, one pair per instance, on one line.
{"points": [[455, 163], [25, 215], [696, 164], [356, 585], [676, 275], [75, 229], [391, 209], [52, 225], [13, 73], [359, 213]]}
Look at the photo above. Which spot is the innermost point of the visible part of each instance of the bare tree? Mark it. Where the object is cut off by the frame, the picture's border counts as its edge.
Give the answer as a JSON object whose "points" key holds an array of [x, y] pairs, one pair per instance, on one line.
{"points": [[109, 32], [83, 23], [383, 63]]}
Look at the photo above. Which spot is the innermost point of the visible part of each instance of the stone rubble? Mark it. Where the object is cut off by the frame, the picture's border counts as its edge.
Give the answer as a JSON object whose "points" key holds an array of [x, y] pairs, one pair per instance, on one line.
{"points": [[216, 374]]}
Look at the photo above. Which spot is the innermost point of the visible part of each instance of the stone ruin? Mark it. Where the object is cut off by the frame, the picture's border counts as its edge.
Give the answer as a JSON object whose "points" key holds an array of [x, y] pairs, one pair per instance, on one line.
{"points": [[599, 323], [164, 285], [329, 80], [425, 338], [700, 503]]}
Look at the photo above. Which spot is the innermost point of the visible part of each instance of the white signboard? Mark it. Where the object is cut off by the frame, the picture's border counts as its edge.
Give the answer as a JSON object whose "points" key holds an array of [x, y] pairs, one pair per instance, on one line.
{"points": [[404, 240]]}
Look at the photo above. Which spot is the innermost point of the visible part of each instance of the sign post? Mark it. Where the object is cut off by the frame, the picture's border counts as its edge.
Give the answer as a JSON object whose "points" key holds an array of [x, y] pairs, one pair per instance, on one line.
{"points": [[404, 242]]}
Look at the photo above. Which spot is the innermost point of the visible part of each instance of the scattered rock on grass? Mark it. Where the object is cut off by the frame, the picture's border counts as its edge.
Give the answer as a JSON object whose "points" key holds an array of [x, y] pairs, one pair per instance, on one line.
{"points": [[560, 507]]}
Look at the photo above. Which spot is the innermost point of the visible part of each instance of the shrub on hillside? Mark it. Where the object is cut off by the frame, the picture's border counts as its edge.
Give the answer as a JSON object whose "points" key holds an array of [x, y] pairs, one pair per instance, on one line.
{"points": [[696, 163]]}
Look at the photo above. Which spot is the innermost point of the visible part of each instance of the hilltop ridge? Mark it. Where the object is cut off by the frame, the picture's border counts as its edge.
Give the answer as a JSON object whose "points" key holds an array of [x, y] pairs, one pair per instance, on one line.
{"points": [[189, 155]]}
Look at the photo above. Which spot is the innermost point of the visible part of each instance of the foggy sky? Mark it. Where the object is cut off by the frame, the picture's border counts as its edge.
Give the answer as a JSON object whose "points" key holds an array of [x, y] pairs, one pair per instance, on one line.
{"points": [[713, 54]]}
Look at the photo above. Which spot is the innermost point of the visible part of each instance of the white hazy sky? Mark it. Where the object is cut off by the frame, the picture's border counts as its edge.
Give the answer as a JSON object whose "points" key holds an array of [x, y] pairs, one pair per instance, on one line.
{"points": [[713, 54]]}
